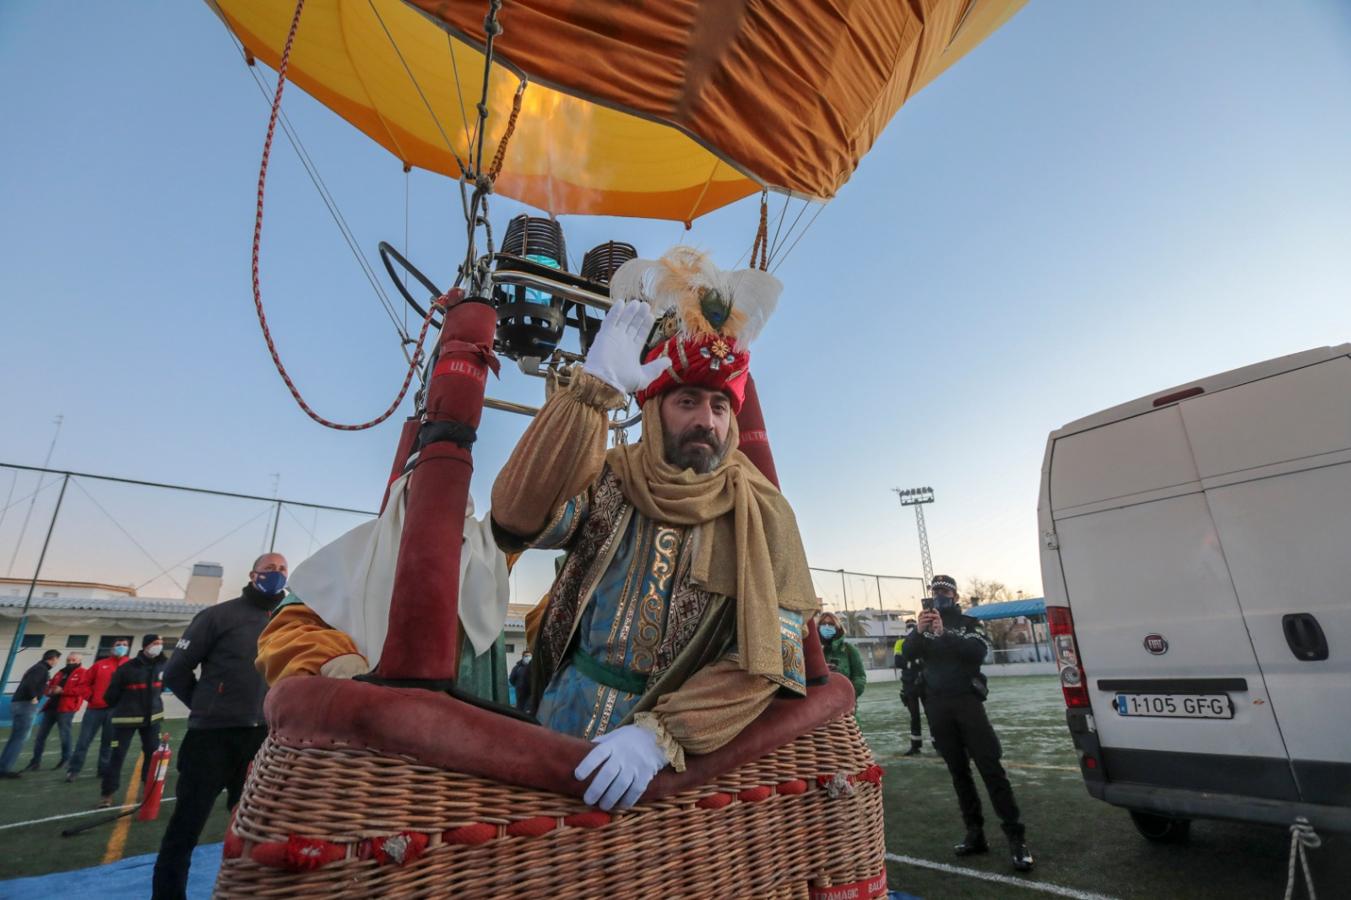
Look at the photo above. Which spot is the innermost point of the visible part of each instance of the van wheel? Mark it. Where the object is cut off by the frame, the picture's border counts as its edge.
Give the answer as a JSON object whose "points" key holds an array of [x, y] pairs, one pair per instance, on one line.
{"points": [[1161, 829]]}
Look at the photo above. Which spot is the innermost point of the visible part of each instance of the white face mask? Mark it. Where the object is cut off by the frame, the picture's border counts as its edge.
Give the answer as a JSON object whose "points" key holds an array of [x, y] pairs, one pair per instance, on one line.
{"points": [[525, 659], [154, 650]]}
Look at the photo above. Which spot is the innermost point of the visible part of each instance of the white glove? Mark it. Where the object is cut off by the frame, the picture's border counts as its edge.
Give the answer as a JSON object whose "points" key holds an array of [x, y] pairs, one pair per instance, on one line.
{"points": [[631, 758], [616, 354], [348, 665]]}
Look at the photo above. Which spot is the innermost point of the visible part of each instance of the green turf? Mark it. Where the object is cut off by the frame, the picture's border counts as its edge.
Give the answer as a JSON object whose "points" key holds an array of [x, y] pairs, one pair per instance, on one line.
{"points": [[1079, 842], [37, 795]]}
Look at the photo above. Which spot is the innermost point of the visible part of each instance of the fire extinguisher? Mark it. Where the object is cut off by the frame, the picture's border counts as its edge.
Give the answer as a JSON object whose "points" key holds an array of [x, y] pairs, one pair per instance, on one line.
{"points": [[154, 791]]}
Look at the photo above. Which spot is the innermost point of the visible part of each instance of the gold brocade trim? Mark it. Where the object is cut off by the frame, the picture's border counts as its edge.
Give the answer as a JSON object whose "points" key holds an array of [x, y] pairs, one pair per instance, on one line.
{"points": [[652, 609]]}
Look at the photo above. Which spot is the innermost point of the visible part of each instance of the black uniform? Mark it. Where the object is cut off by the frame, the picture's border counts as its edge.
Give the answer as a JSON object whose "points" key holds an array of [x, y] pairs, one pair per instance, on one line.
{"points": [[134, 697], [912, 687], [520, 680], [954, 698], [225, 728]]}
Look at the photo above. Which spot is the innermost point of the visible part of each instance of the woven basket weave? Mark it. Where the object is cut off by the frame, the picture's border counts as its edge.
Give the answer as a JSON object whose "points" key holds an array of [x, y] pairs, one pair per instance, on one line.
{"points": [[754, 832]]}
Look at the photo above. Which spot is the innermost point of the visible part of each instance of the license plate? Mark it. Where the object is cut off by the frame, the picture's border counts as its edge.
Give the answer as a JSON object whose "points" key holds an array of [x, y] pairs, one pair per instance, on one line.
{"points": [[1176, 706]]}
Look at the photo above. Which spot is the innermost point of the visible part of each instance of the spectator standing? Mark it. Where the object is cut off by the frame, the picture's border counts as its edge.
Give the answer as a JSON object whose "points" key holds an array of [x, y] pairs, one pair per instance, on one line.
{"points": [[24, 707], [66, 693], [134, 695], [226, 725], [912, 687], [520, 681], [841, 656], [953, 647], [98, 717]]}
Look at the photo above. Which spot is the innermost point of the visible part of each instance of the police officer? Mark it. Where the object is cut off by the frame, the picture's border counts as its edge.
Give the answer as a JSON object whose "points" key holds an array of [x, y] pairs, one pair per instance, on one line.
{"points": [[952, 647], [912, 686]]}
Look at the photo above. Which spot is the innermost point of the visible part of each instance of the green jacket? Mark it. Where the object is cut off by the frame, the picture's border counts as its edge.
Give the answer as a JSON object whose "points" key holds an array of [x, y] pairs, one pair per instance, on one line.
{"points": [[844, 658]]}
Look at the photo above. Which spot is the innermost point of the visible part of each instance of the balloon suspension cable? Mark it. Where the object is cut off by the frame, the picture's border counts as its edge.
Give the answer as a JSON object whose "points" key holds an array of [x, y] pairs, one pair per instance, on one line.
{"points": [[438, 304], [475, 268]]}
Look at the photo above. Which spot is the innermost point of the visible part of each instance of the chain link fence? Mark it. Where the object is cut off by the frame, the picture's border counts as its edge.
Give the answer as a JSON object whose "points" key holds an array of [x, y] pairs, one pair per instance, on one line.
{"points": [[88, 558], [872, 608]]}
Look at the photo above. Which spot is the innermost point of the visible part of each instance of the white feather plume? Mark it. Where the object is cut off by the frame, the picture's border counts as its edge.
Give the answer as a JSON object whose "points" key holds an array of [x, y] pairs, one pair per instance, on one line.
{"points": [[681, 280]]}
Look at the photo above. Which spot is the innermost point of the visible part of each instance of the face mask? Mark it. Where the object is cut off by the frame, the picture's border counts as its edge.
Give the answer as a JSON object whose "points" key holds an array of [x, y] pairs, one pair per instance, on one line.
{"points": [[525, 659], [270, 583], [120, 650], [828, 632], [154, 650], [941, 602]]}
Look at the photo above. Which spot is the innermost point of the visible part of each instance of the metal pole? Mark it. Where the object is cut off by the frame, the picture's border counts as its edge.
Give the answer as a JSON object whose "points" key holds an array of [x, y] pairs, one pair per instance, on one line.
{"points": [[881, 604], [23, 529], [276, 520], [925, 560], [844, 589], [183, 487], [32, 586]]}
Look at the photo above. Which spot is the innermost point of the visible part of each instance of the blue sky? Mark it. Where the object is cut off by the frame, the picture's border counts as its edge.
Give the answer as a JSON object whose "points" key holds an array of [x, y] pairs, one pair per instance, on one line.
{"points": [[1101, 201]]}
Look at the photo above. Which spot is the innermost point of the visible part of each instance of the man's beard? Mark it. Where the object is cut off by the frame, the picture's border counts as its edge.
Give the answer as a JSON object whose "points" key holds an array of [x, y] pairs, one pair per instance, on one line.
{"points": [[684, 451]]}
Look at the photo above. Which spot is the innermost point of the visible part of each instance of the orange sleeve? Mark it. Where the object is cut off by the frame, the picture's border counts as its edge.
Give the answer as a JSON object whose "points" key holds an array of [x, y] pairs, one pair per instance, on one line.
{"points": [[532, 620], [298, 642]]}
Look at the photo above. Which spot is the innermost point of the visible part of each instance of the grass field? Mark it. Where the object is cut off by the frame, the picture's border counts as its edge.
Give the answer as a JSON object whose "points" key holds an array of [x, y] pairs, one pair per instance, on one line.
{"points": [[1081, 844], [39, 848]]}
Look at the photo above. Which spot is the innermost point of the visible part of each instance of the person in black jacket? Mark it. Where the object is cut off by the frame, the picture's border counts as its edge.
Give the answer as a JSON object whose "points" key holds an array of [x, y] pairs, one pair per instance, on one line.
{"points": [[226, 725], [519, 679], [953, 647], [912, 687], [134, 697], [24, 707]]}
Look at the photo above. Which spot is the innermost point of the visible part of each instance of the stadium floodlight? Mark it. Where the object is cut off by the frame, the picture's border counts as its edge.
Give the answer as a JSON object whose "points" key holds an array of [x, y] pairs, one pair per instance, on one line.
{"points": [[917, 497]]}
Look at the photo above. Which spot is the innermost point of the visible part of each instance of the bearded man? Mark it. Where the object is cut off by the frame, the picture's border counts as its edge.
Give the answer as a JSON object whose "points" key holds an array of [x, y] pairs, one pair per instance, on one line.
{"points": [[678, 614]]}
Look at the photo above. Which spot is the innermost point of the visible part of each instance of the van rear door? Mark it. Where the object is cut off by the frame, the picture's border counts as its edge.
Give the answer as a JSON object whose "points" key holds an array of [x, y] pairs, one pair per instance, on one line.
{"points": [[1274, 457], [1156, 614]]}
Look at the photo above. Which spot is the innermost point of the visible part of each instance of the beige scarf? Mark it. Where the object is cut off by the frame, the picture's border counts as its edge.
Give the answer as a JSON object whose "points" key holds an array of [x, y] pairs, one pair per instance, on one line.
{"points": [[747, 544]]}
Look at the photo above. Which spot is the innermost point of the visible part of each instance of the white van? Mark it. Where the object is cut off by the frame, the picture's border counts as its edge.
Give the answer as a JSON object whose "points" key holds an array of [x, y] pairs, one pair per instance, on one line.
{"points": [[1196, 556]]}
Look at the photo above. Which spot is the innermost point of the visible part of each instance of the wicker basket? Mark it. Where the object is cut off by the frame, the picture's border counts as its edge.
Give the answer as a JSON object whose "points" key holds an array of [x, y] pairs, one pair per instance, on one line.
{"points": [[801, 819]]}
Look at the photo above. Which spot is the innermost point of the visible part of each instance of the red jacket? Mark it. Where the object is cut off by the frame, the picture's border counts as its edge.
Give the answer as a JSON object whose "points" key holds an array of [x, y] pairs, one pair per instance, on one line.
{"points": [[100, 674], [75, 691]]}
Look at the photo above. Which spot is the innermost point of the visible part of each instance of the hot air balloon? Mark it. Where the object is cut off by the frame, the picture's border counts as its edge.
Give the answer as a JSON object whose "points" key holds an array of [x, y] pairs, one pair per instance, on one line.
{"points": [[401, 783]]}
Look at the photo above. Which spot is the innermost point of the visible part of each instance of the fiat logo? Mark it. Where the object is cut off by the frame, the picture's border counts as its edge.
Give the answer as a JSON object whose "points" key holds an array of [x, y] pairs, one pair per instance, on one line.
{"points": [[1156, 644]]}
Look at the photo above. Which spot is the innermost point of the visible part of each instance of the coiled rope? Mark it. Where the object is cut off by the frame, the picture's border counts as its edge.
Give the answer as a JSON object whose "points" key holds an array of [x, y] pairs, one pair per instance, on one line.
{"points": [[1302, 839], [439, 304]]}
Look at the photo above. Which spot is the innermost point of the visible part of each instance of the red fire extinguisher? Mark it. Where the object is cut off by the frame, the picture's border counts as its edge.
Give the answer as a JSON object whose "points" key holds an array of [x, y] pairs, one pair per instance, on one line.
{"points": [[154, 791]]}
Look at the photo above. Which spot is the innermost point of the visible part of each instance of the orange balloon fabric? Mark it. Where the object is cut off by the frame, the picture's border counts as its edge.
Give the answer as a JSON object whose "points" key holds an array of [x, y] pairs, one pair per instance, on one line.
{"points": [[653, 108]]}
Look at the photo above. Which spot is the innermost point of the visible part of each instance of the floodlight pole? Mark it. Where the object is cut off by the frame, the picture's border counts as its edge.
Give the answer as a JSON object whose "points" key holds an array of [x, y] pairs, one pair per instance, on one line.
{"points": [[918, 497]]}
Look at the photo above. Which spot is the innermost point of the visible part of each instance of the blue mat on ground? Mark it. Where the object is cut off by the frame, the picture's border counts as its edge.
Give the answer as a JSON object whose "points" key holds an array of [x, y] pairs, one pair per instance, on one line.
{"points": [[126, 879]]}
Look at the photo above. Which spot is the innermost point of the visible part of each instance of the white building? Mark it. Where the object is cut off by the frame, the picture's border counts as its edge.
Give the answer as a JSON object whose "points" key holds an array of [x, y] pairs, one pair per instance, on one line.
{"points": [[87, 617]]}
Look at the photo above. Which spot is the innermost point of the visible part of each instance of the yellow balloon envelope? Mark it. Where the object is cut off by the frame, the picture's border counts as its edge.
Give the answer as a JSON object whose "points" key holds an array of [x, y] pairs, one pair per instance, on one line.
{"points": [[661, 109]]}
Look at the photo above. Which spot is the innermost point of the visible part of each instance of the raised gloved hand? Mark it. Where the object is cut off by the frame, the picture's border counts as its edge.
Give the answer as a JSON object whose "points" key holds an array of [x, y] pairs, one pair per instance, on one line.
{"points": [[615, 356], [628, 758], [349, 665]]}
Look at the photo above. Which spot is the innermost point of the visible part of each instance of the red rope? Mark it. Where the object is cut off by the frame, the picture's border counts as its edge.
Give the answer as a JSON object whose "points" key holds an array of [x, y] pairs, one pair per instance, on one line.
{"points": [[439, 303]]}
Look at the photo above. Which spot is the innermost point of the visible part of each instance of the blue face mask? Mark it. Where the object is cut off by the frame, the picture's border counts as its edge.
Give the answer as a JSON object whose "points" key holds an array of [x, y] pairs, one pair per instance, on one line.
{"points": [[270, 583], [120, 650], [941, 602], [828, 632]]}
